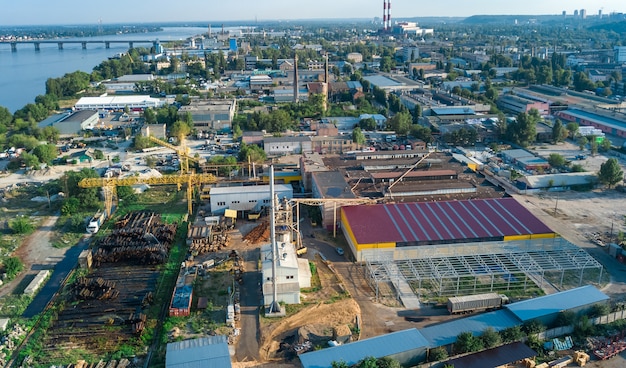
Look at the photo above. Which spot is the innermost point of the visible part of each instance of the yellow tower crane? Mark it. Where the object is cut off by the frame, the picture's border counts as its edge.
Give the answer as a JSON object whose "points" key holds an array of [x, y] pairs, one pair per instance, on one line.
{"points": [[182, 151], [109, 185]]}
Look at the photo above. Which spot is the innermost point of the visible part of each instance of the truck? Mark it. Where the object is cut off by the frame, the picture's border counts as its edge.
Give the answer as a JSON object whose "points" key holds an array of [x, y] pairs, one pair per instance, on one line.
{"points": [[474, 303], [95, 222]]}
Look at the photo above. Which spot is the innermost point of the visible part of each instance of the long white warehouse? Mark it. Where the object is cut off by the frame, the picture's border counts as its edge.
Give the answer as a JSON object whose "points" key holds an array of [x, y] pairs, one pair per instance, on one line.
{"points": [[141, 102]]}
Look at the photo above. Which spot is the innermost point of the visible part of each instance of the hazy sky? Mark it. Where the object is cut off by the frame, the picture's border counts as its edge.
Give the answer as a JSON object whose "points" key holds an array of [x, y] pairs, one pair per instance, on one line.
{"points": [[17, 12]]}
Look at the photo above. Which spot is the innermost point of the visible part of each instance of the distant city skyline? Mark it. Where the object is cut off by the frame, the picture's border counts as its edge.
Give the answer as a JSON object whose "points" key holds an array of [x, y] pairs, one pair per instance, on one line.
{"points": [[41, 12]]}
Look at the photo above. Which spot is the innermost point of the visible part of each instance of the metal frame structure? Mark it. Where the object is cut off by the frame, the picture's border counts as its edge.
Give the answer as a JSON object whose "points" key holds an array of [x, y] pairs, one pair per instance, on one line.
{"points": [[470, 268]]}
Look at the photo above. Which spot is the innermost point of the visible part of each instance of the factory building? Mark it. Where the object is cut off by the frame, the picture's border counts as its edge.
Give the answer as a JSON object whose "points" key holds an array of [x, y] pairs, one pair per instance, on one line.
{"points": [[386, 227], [292, 273], [613, 123], [246, 198], [72, 124], [211, 115]]}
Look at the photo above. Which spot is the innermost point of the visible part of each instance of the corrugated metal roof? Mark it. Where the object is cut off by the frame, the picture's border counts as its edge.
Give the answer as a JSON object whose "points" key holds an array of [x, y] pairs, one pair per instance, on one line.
{"points": [[442, 221], [495, 357], [251, 189], [378, 347], [446, 333], [412, 174], [549, 304], [206, 352]]}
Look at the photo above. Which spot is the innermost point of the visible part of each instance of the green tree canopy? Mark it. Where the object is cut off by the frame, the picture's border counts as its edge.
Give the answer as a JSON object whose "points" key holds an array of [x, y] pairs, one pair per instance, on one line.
{"points": [[556, 160], [559, 132], [357, 136], [490, 338], [252, 151], [610, 172], [46, 153], [401, 123], [466, 342]]}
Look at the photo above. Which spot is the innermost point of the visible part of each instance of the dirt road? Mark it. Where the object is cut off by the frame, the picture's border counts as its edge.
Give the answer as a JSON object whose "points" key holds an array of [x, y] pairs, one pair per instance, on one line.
{"points": [[36, 254]]}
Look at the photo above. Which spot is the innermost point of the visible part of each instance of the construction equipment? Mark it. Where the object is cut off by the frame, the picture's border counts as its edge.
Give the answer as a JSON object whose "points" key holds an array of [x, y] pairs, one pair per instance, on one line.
{"points": [[109, 185], [182, 151]]}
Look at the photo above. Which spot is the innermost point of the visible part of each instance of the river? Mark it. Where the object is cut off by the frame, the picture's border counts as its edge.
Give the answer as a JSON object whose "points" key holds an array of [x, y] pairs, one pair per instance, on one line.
{"points": [[23, 74]]}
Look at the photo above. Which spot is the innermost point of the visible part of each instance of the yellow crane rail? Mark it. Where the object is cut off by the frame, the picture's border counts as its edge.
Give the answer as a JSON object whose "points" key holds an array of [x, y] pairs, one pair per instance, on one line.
{"points": [[109, 185]]}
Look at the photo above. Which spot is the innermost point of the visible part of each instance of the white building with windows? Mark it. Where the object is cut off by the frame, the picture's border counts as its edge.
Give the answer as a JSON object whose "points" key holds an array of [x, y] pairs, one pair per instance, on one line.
{"points": [[246, 198], [292, 273], [135, 103]]}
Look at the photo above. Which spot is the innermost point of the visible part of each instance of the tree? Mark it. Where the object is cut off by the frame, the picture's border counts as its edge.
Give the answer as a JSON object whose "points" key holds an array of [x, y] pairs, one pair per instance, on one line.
{"points": [[490, 338], [149, 116], [358, 137], [582, 142], [605, 145], [533, 327], [572, 128], [126, 193], [253, 152], [466, 342], [180, 129], [593, 145], [417, 113], [46, 153], [401, 123], [556, 160], [558, 131], [29, 160], [523, 130], [565, 318], [437, 354], [610, 172], [98, 154], [87, 197], [387, 362], [578, 168], [367, 124], [511, 334], [340, 364]]}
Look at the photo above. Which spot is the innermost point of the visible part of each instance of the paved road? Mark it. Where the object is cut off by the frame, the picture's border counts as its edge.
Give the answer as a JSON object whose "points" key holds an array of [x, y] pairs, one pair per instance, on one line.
{"points": [[60, 273], [247, 347]]}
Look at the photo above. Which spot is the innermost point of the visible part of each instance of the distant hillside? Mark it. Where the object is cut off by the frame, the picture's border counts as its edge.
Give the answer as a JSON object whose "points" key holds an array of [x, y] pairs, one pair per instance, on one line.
{"points": [[618, 27]]}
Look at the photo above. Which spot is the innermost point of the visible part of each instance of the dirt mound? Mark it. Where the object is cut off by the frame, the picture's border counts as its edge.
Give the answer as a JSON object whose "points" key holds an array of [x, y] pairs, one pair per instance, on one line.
{"points": [[314, 321]]}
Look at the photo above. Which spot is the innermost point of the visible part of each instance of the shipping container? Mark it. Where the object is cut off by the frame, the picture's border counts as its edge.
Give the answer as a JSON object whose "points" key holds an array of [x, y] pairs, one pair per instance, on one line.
{"points": [[473, 303]]}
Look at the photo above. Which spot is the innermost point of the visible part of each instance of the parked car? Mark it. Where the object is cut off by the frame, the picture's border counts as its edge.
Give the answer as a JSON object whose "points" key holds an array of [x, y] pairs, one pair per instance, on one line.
{"points": [[340, 251]]}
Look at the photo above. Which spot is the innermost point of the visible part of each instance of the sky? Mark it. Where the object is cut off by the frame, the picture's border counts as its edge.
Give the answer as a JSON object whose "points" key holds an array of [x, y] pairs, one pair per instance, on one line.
{"points": [[35, 12]]}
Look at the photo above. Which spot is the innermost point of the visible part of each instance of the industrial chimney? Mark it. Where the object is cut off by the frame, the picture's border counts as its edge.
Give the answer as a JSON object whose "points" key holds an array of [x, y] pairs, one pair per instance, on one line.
{"points": [[295, 78], [274, 307], [385, 15], [388, 27]]}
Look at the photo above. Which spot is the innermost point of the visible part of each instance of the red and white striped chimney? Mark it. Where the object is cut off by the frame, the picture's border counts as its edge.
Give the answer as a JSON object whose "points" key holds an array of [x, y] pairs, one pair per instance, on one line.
{"points": [[388, 27], [385, 15]]}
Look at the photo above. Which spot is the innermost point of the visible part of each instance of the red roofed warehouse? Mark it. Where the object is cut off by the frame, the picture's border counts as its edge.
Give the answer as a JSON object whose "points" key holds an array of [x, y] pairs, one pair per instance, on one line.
{"points": [[390, 226]]}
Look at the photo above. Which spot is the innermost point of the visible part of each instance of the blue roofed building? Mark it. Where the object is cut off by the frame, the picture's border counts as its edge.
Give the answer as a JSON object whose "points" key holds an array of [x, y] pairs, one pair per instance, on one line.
{"points": [[408, 347], [444, 334], [546, 308]]}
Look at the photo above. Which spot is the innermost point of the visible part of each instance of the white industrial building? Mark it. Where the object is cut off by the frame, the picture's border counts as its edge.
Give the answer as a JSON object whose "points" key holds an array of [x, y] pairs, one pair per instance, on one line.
{"points": [[246, 198], [620, 54], [287, 145], [140, 102], [292, 273]]}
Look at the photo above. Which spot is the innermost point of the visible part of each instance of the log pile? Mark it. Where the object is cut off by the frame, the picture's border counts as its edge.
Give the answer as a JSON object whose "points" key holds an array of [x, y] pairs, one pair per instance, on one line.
{"points": [[137, 320], [94, 288], [213, 244], [260, 233], [140, 237]]}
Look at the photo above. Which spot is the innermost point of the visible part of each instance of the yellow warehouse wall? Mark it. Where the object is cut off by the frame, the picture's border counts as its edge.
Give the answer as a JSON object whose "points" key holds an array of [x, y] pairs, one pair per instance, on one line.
{"points": [[527, 237], [376, 246], [359, 247]]}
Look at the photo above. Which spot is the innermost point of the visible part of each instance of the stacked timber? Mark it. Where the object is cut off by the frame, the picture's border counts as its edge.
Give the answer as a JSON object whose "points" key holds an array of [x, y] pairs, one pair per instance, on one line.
{"points": [[94, 288], [214, 243], [139, 237]]}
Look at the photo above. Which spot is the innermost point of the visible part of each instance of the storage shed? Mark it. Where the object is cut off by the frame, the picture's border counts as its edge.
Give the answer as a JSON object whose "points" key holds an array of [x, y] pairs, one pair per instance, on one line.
{"points": [[407, 346], [246, 198], [545, 309]]}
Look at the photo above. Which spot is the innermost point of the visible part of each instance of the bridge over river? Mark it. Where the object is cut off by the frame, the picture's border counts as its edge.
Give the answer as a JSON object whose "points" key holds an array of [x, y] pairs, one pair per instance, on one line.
{"points": [[60, 43]]}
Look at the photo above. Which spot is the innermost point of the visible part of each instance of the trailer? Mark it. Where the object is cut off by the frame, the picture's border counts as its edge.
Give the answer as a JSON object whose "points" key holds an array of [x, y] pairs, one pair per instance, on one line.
{"points": [[474, 303]]}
